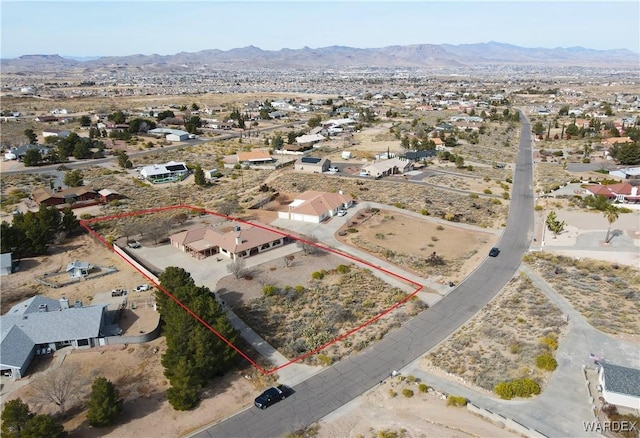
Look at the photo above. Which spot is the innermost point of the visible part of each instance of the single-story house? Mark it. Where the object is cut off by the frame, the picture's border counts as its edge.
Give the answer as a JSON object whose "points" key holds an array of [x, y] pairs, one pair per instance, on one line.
{"points": [[628, 173], [620, 385], [78, 269], [420, 155], [18, 153], [243, 241], [310, 138], [46, 119], [616, 140], [55, 133], [6, 263], [312, 164], [41, 325], [315, 207], [162, 173], [107, 195], [392, 166], [621, 192], [171, 134], [255, 157], [72, 196]]}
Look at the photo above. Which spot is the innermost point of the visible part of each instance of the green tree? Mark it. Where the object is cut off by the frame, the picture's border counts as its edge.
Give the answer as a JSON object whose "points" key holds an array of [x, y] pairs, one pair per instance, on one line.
{"points": [[553, 224], [15, 416], [314, 122], [538, 128], [194, 107], [32, 157], [564, 110], [611, 214], [198, 176], [459, 162], [123, 159], [32, 137], [105, 404], [85, 121], [167, 114], [70, 222], [43, 426], [140, 125], [277, 142], [117, 117], [192, 124], [73, 178], [626, 153], [194, 353]]}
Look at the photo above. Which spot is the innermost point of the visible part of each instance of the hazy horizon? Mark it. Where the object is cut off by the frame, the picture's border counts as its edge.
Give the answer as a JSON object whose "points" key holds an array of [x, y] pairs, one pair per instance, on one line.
{"points": [[81, 29], [92, 57]]}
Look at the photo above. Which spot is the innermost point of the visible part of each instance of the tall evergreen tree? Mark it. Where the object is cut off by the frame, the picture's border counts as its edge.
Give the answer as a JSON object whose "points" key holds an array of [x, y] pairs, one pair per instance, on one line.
{"points": [[104, 404], [198, 176], [195, 354], [15, 416], [43, 426]]}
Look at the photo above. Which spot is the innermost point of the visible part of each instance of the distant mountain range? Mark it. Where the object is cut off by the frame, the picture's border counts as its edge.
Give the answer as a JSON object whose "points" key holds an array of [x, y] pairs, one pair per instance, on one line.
{"points": [[410, 56]]}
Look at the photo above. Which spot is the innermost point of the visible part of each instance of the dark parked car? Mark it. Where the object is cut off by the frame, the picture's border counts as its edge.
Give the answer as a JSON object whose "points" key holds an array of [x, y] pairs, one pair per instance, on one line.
{"points": [[272, 395], [494, 252]]}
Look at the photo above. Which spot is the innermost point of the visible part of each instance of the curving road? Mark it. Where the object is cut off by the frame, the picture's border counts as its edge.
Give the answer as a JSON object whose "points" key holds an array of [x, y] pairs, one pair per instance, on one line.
{"points": [[349, 378]]}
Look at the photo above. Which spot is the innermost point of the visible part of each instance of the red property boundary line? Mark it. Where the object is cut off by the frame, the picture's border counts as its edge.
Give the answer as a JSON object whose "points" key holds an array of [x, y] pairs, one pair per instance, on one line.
{"points": [[85, 223]]}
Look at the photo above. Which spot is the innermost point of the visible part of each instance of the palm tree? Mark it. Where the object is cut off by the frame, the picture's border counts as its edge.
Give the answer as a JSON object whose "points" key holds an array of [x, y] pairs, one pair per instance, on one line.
{"points": [[611, 214]]}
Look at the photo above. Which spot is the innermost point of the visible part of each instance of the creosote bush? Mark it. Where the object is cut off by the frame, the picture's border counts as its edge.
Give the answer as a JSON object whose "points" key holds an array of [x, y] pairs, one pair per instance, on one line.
{"points": [[517, 388], [454, 400], [546, 362], [407, 392], [423, 387]]}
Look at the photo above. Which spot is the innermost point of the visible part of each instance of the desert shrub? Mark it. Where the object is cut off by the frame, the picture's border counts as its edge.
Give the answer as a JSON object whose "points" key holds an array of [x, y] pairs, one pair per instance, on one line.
{"points": [[398, 204], [269, 290], [454, 400], [505, 195], [496, 201], [342, 269], [411, 378], [449, 216], [379, 235], [538, 208], [392, 393], [487, 191], [546, 362], [424, 212], [407, 392], [317, 275], [551, 341], [299, 289], [352, 230], [515, 348], [517, 388], [474, 196], [325, 360], [423, 387], [439, 228], [434, 238]]}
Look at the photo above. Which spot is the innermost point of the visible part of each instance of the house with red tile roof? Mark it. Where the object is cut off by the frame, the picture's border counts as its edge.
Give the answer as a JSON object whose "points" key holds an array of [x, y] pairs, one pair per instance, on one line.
{"points": [[242, 241], [621, 192], [315, 207], [255, 157]]}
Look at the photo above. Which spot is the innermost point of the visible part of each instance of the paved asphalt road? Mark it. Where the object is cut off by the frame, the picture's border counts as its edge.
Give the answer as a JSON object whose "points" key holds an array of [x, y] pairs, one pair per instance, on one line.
{"points": [[329, 390]]}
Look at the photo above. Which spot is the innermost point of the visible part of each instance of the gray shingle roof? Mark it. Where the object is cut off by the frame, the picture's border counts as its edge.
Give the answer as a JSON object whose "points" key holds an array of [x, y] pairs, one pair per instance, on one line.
{"points": [[25, 325], [621, 380]]}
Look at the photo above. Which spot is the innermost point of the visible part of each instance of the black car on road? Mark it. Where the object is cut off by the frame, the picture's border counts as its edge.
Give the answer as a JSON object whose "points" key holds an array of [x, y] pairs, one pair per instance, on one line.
{"points": [[272, 395], [494, 252]]}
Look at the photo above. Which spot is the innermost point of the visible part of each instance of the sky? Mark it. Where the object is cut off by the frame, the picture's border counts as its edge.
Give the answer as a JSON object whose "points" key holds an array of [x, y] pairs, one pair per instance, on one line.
{"points": [[88, 28]]}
